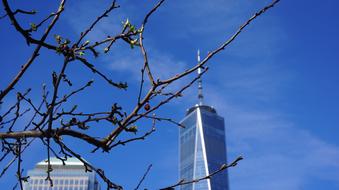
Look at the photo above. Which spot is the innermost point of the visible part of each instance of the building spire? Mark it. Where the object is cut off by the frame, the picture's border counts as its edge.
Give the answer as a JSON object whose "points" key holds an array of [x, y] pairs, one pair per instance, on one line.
{"points": [[200, 96]]}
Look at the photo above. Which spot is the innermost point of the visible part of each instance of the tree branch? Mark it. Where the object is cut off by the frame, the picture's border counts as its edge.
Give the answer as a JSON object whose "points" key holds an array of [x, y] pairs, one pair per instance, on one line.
{"points": [[222, 168], [39, 43]]}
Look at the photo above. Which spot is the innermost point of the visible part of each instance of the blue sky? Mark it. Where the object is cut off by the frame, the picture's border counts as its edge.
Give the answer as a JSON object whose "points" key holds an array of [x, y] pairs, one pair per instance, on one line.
{"points": [[275, 86]]}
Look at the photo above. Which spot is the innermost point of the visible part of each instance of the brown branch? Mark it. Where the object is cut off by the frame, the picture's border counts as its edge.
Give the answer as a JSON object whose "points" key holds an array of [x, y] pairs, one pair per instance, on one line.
{"points": [[90, 28], [115, 133], [144, 176], [34, 115], [115, 117], [14, 158], [23, 32], [42, 22], [94, 70], [66, 97], [168, 99], [144, 53], [111, 137], [54, 132], [222, 168], [56, 83], [223, 46], [111, 40], [24, 12], [88, 166], [19, 172], [36, 109], [39, 43], [133, 139], [7, 166], [19, 11], [17, 106], [134, 116], [164, 119]]}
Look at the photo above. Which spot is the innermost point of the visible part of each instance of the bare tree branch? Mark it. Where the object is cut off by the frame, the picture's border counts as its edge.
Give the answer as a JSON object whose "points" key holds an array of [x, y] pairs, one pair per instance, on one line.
{"points": [[144, 176], [55, 114], [223, 46], [222, 168], [39, 43]]}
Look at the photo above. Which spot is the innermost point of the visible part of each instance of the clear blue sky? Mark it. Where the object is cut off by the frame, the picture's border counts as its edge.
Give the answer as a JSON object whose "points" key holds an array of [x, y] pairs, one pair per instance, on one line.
{"points": [[276, 86]]}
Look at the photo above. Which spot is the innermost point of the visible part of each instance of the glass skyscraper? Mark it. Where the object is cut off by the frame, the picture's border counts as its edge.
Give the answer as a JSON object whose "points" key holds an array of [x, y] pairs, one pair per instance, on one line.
{"points": [[71, 176], [202, 147]]}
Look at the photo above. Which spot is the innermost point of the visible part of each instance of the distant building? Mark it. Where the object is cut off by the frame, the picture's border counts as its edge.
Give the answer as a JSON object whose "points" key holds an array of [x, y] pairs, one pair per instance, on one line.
{"points": [[202, 147], [71, 176]]}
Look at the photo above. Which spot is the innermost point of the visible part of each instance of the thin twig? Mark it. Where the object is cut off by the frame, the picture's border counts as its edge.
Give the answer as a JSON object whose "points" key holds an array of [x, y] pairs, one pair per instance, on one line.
{"points": [[222, 168], [223, 46], [39, 43], [143, 177]]}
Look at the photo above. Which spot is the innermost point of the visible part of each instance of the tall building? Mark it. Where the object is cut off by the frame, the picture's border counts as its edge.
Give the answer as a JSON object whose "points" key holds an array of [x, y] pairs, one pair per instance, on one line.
{"points": [[202, 146], [71, 176]]}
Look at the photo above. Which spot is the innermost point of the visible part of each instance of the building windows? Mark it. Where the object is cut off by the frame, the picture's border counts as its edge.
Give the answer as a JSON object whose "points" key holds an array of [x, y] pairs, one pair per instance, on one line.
{"points": [[202, 148], [60, 183]]}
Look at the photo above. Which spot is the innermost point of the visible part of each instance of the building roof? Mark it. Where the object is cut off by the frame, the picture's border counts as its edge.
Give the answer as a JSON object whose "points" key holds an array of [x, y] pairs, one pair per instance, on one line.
{"points": [[71, 161], [204, 107]]}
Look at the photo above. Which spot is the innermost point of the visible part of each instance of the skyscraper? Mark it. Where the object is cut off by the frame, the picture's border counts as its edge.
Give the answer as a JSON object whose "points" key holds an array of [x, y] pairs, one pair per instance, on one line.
{"points": [[71, 176], [202, 146]]}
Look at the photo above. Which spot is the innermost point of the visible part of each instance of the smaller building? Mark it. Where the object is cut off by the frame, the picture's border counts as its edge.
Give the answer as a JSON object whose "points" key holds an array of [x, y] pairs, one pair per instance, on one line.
{"points": [[71, 176]]}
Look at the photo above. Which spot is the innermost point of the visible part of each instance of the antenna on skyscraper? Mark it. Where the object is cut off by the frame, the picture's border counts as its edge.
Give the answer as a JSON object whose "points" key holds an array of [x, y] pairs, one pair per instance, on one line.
{"points": [[200, 96]]}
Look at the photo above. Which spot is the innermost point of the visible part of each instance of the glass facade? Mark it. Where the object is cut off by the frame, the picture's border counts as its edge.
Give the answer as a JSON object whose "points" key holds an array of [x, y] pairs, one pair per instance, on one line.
{"points": [[202, 149], [71, 176]]}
